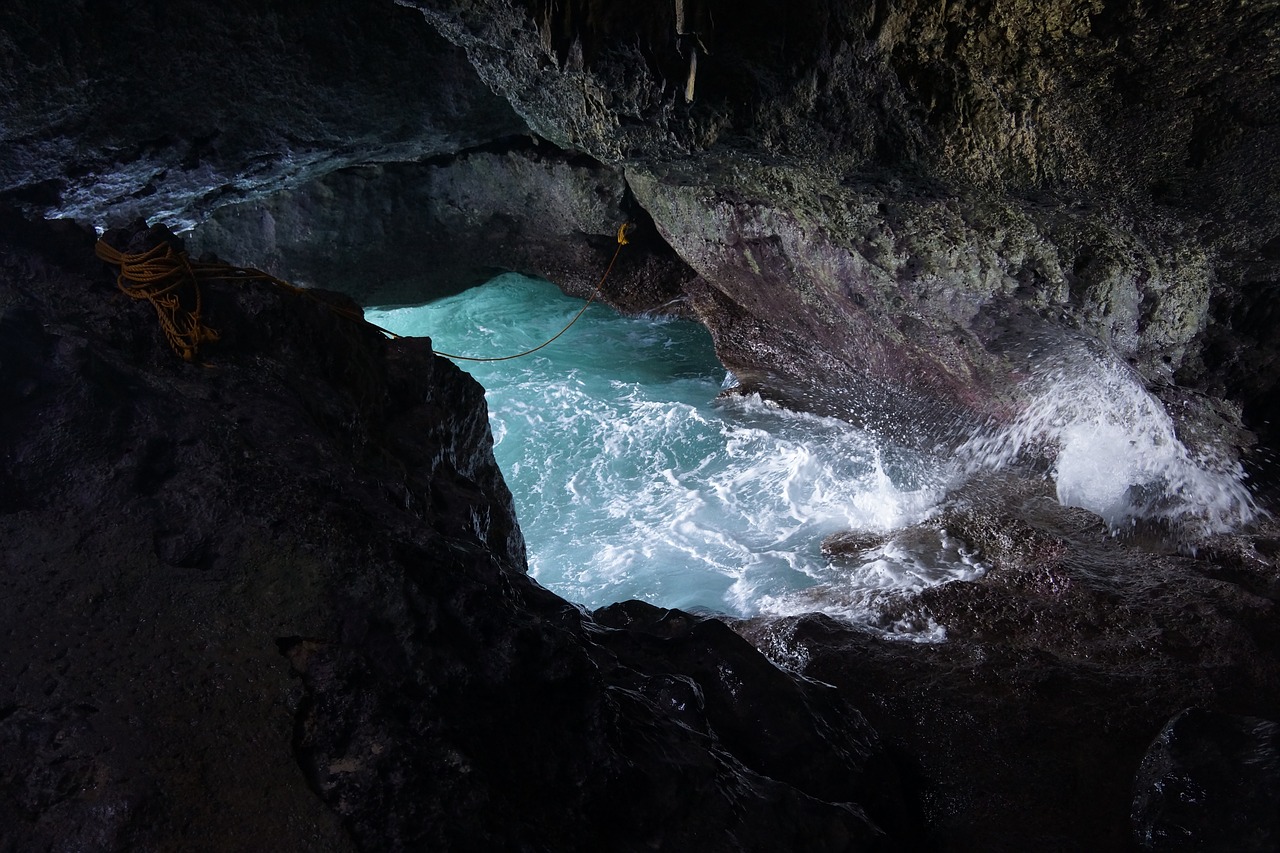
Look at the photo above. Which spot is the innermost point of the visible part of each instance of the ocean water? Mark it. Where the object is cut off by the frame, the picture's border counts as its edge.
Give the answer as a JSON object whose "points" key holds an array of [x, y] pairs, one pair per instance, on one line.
{"points": [[635, 477], [1111, 447]]}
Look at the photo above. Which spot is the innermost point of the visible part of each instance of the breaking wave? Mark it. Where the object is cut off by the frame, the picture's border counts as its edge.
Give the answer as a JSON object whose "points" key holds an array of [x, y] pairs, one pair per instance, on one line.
{"points": [[634, 476], [1112, 448]]}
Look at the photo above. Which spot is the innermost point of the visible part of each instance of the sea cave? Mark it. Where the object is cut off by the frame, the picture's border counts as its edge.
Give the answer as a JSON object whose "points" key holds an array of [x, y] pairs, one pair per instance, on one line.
{"points": [[889, 462]]}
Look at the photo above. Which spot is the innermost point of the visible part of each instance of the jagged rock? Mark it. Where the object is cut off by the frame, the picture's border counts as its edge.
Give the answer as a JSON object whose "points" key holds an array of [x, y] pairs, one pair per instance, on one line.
{"points": [[110, 112], [276, 598], [1025, 728], [852, 543], [872, 204], [934, 302], [874, 200], [881, 197], [1000, 96]]}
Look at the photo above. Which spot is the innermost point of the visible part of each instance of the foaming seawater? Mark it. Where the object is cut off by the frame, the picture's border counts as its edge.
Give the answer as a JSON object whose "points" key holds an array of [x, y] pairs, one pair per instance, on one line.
{"points": [[1112, 448], [634, 478], [906, 563]]}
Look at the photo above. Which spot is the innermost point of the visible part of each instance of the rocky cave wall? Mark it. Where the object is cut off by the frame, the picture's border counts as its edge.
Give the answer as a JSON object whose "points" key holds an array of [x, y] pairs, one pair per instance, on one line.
{"points": [[404, 233], [311, 582], [902, 180], [277, 600], [874, 201]]}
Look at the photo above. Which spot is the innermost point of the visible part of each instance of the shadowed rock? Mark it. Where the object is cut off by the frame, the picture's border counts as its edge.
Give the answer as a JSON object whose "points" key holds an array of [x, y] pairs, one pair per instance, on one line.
{"points": [[276, 598], [132, 109], [1210, 782], [1025, 729], [296, 569]]}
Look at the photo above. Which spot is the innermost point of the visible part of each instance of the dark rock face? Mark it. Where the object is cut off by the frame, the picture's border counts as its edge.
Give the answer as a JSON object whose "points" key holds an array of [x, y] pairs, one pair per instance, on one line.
{"points": [[407, 233], [112, 111], [1026, 728], [287, 586], [1210, 782], [867, 200], [293, 569], [873, 192], [1001, 96]]}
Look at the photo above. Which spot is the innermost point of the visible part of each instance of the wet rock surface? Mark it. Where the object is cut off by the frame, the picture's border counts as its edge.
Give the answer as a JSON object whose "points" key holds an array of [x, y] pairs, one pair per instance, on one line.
{"points": [[867, 202], [276, 599], [1026, 729], [296, 571], [1210, 781], [877, 197]]}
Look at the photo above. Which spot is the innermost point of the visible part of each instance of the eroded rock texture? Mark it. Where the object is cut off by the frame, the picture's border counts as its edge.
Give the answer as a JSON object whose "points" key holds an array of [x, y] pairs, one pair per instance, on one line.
{"points": [[1028, 727], [117, 110], [285, 587], [1210, 780], [1047, 189], [276, 600], [409, 232], [868, 201], [882, 202]]}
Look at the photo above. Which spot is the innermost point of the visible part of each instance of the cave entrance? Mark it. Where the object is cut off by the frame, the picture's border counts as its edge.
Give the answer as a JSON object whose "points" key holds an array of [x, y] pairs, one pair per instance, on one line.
{"points": [[634, 476]]}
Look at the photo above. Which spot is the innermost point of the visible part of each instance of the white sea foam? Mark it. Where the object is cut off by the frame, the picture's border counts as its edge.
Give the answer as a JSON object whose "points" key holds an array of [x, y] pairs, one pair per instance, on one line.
{"points": [[907, 563], [1111, 448], [632, 480]]}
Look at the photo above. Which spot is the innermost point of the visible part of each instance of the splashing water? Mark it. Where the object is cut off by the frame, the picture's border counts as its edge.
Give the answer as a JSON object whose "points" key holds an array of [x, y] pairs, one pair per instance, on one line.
{"points": [[1112, 449], [632, 479]]}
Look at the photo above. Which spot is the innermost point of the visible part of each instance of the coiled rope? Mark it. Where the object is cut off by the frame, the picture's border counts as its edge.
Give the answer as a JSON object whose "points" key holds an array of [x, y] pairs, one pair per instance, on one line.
{"points": [[622, 241], [158, 276], [170, 281]]}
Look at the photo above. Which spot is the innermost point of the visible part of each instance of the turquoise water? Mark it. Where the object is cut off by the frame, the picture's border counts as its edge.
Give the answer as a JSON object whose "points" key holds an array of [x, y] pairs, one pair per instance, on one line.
{"points": [[633, 480]]}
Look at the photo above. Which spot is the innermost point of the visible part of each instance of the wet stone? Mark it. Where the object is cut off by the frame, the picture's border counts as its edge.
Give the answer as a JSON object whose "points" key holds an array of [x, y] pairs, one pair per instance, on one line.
{"points": [[1210, 781]]}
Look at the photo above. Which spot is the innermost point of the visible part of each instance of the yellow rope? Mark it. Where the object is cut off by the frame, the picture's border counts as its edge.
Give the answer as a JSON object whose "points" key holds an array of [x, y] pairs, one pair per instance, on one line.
{"points": [[159, 276], [163, 277], [622, 241]]}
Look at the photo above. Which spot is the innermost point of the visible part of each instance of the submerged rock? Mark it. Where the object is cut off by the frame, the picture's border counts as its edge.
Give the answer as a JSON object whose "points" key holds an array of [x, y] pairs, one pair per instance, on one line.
{"points": [[881, 202]]}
